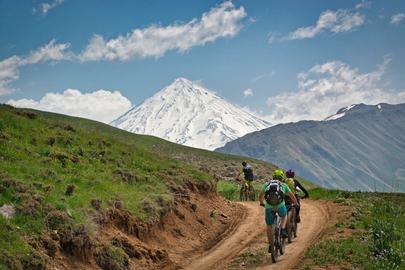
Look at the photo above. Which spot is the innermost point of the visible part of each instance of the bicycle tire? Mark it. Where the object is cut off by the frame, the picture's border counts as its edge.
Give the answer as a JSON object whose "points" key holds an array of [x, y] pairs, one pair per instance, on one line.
{"points": [[252, 193], [243, 194], [290, 224], [273, 246], [282, 246]]}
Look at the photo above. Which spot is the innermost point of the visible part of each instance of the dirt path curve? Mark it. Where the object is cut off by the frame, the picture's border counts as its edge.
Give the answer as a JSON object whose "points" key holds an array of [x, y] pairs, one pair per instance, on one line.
{"points": [[315, 217]]}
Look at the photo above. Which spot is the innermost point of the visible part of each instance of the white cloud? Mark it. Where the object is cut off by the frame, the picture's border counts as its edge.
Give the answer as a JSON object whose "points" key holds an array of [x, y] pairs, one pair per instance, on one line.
{"points": [[397, 18], [264, 75], [44, 8], [224, 20], [9, 67], [101, 105], [8, 73], [338, 21], [326, 88], [248, 92], [155, 40], [363, 4]]}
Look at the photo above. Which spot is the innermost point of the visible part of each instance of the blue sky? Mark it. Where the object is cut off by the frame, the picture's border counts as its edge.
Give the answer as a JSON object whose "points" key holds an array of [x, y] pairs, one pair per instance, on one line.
{"points": [[345, 52]]}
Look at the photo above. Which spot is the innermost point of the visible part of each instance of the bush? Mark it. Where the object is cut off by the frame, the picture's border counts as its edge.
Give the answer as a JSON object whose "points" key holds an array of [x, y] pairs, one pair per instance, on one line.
{"points": [[112, 258], [228, 190]]}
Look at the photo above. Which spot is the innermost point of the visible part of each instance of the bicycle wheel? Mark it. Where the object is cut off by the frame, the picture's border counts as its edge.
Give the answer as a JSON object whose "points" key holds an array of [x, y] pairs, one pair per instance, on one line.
{"points": [[252, 193], [295, 227], [281, 245], [289, 225], [273, 243], [243, 194]]}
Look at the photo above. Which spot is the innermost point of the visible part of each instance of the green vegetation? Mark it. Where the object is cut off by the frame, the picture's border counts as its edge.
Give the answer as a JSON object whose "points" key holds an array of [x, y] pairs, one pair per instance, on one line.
{"points": [[229, 190], [372, 237], [58, 172]]}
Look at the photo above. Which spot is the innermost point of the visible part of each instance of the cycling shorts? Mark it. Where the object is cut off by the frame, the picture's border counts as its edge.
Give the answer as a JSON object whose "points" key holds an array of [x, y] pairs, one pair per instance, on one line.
{"points": [[282, 212], [248, 182]]}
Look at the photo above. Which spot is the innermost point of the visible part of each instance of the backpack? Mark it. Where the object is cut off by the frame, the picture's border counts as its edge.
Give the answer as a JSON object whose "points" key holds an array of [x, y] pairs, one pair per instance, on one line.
{"points": [[248, 172], [274, 194]]}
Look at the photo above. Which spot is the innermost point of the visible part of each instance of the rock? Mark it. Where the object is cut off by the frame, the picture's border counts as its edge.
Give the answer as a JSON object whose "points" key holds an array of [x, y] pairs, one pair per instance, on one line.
{"points": [[7, 210]]}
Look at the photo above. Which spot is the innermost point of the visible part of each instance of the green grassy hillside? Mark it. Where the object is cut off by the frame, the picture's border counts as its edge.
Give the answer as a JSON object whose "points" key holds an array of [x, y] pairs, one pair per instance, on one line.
{"points": [[369, 233], [51, 162]]}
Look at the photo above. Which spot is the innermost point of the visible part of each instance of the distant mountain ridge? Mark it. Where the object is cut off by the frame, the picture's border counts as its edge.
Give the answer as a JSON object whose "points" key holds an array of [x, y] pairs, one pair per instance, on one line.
{"points": [[362, 147], [187, 113]]}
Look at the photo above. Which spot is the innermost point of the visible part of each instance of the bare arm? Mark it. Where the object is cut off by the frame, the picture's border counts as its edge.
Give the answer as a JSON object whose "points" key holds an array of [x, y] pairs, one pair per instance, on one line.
{"points": [[261, 198], [292, 197]]}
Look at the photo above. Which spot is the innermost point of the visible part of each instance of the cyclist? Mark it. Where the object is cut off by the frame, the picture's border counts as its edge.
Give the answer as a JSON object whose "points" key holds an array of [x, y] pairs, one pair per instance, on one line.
{"points": [[272, 198], [294, 185], [247, 171]]}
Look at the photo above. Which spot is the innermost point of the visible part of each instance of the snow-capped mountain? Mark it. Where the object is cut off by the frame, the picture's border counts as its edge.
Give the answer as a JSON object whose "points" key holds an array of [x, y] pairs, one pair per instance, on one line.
{"points": [[187, 113]]}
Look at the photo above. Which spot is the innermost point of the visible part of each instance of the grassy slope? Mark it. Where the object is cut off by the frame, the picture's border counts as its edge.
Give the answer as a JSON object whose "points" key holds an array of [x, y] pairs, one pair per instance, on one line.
{"points": [[370, 236], [41, 154]]}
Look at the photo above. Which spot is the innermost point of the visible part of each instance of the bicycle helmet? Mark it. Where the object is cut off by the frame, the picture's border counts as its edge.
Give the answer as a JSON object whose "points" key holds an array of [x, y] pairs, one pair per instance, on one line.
{"points": [[278, 174], [290, 173]]}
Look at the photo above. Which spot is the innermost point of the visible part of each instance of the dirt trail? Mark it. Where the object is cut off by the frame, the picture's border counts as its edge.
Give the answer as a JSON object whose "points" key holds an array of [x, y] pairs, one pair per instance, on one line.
{"points": [[315, 218]]}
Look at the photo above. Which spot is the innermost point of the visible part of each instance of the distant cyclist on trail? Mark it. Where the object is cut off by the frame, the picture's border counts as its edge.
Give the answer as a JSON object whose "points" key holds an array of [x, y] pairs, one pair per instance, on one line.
{"points": [[294, 185], [247, 171], [272, 197]]}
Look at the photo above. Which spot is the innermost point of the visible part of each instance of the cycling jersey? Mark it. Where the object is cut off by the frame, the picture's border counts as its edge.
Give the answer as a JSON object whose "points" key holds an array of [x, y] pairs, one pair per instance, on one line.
{"points": [[284, 188], [291, 184], [247, 172]]}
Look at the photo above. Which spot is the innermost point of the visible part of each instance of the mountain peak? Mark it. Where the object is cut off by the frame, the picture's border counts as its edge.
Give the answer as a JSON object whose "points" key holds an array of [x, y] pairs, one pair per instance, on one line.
{"points": [[181, 82], [186, 113]]}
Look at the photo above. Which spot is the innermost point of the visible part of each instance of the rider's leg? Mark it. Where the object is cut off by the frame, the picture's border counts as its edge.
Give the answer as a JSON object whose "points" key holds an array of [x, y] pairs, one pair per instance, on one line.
{"points": [[268, 227], [297, 210], [269, 216], [282, 212]]}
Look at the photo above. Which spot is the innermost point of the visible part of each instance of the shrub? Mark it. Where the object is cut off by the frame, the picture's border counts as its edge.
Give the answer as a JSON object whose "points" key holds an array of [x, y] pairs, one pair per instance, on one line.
{"points": [[112, 258], [228, 190]]}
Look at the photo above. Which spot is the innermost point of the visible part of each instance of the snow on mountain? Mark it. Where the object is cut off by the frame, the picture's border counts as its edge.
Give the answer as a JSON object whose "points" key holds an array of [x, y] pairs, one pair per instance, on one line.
{"points": [[187, 113], [342, 112]]}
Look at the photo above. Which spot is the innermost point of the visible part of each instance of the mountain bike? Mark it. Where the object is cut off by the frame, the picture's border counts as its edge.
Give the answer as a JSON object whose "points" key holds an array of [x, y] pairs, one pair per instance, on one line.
{"points": [[247, 192], [292, 226], [277, 244]]}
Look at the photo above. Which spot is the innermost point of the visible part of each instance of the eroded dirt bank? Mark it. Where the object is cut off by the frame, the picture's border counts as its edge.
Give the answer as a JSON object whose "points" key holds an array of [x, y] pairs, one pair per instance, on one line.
{"points": [[193, 222]]}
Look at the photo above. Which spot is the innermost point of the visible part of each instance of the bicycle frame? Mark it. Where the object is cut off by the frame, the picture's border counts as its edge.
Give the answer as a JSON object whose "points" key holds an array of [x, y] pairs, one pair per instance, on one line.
{"points": [[277, 242]]}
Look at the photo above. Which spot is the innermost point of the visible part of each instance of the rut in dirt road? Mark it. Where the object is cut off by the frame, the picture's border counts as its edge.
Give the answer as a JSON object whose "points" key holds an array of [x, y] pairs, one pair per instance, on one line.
{"points": [[315, 217]]}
